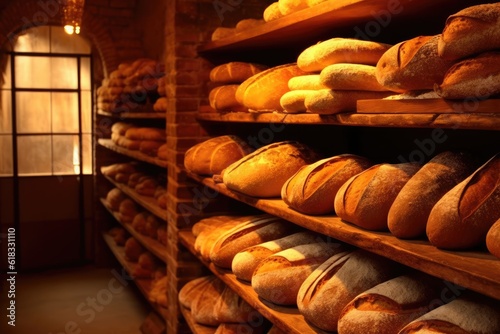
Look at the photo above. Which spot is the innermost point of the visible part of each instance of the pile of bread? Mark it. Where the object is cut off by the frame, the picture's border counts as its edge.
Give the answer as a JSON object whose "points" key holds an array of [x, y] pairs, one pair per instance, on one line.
{"points": [[331, 76], [453, 199], [131, 86], [336, 287], [148, 140], [139, 179]]}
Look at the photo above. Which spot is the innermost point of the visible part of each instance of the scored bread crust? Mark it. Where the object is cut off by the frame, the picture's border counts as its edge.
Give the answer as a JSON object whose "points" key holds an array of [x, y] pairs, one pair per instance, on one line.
{"points": [[493, 239], [234, 72]]}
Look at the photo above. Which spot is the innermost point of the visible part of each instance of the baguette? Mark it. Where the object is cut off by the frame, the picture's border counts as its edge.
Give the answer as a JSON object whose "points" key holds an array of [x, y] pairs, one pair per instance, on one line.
{"points": [[327, 101], [306, 82], [493, 239], [278, 277], [344, 76], [234, 72], [462, 217], [407, 217]]}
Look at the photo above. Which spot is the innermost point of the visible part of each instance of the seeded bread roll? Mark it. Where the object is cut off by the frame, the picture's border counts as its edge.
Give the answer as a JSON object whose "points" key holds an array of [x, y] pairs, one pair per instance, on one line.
{"points": [[493, 239], [410, 210], [344, 76], [412, 65], [340, 50], [234, 72], [471, 31], [462, 217], [313, 188], [365, 199]]}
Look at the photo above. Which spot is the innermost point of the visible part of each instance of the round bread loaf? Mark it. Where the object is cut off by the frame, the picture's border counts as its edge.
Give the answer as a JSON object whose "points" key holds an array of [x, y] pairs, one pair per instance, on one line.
{"points": [[202, 307], [313, 188], [493, 239], [192, 289], [327, 101], [410, 210], [365, 199], [223, 98], [343, 76], [340, 50], [471, 31], [234, 72], [412, 65], [213, 155]]}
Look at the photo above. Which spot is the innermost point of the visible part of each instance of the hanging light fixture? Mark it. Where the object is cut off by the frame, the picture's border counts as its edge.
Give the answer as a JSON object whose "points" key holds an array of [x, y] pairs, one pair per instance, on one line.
{"points": [[72, 15]]}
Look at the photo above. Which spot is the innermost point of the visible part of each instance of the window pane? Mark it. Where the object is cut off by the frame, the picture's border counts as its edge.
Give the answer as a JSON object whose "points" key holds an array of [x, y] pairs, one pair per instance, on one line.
{"points": [[85, 73], [33, 40], [64, 73], [34, 155], [64, 112], [66, 155], [87, 154], [5, 78], [33, 112], [5, 111], [32, 72], [6, 166], [86, 111], [63, 43]]}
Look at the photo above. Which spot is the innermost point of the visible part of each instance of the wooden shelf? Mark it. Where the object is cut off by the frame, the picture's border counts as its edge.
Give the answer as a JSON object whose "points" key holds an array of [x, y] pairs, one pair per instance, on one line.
{"points": [[143, 284], [152, 245], [475, 270], [195, 327], [133, 115], [147, 202], [108, 143], [286, 318]]}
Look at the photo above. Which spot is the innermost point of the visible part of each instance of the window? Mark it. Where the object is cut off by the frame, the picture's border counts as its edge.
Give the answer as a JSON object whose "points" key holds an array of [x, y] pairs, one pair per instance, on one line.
{"points": [[46, 101]]}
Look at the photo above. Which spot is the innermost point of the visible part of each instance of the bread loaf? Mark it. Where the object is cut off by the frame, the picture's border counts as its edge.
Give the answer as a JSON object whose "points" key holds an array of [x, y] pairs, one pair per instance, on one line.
{"points": [[222, 32], [287, 7], [462, 217], [262, 91], [202, 307], [413, 64], [306, 82], [477, 77], [263, 172], [229, 328], [245, 261], [223, 98], [466, 314], [340, 50], [234, 72], [272, 12], [313, 188], [410, 210], [343, 76], [471, 31], [493, 239], [255, 231], [333, 284], [231, 308], [365, 199], [213, 155], [207, 223], [391, 305], [278, 277], [249, 23], [293, 102], [327, 101], [145, 133]]}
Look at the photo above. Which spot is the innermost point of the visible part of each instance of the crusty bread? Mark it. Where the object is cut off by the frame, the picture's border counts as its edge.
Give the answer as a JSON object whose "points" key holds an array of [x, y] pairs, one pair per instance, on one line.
{"points": [[210, 223], [340, 50], [222, 32], [263, 172], [333, 284], [287, 7], [213, 155], [477, 77], [462, 217], [410, 210], [306, 82], [223, 98], [493, 239], [231, 308], [202, 306], [365, 199], [471, 31], [344, 76], [278, 277], [248, 23], [293, 102], [412, 65], [234, 72], [327, 101], [313, 188], [272, 12], [245, 261], [146, 133]]}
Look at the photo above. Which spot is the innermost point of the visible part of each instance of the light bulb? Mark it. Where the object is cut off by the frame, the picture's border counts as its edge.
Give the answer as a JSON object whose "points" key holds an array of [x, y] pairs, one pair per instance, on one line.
{"points": [[69, 29]]}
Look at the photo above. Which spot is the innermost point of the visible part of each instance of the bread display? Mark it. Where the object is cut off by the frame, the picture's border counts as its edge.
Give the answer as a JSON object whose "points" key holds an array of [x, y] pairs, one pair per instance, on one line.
{"points": [[312, 189], [133, 249], [365, 199], [213, 155], [327, 101], [345, 76], [471, 31], [231, 308], [325, 293], [192, 289], [223, 98], [340, 50], [250, 23], [202, 306], [462, 217], [234, 72], [493, 239], [410, 210], [278, 277], [223, 32], [293, 102], [412, 65], [306, 82], [263, 172]]}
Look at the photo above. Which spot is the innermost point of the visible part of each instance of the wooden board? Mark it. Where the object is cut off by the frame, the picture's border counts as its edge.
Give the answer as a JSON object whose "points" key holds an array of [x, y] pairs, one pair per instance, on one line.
{"points": [[108, 143], [475, 270], [489, 107]]}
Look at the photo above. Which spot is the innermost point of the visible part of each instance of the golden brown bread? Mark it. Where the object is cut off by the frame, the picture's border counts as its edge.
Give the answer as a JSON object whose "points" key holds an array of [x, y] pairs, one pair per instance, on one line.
{"points": [[213, 155], [278, 277], [365, 199], [412, 65], [249, 23], [471, 31], [493, 239], [288, 7], [223, 98], [327, 101], [231, 308], [344, 76], [222, 32], [410, 210], [234, 72], [313, 188], [339, 279], [133, 249], [293, 102], [462, 217], [263, 172], [306, 82], [272, 12], [340, 50], [210, 223], [146, 133], [202, 306]]}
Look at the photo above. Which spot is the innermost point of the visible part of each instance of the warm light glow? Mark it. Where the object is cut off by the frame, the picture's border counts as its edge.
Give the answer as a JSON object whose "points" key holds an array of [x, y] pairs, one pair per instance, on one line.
{"points": [[69, 29], [72, 15]]}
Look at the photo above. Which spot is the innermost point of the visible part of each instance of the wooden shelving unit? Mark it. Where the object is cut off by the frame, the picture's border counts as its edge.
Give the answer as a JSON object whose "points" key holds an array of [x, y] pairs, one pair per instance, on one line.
{"points": [[108, 143], [195, 327], [133, 115]]}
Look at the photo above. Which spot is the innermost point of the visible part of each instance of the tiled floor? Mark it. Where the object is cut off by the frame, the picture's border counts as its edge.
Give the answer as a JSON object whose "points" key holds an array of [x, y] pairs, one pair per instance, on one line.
{"points": [[76, 301]]}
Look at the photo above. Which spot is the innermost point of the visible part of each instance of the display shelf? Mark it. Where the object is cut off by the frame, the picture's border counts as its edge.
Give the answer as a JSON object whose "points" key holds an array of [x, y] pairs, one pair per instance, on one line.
{"points": [[475, 270], [133, 115], [108, 143], [152, 245], [195, 327], [147, 202], [143, 284], [286, 318]]}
